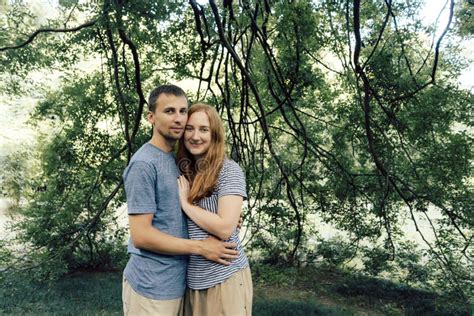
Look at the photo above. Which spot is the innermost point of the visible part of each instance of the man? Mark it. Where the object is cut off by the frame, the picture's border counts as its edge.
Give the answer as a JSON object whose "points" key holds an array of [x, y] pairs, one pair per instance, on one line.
{"points": [[155, 276]]}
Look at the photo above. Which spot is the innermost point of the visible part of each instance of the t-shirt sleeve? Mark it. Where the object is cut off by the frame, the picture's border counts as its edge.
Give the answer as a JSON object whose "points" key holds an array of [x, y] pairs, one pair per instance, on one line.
{"points": [[140, 183], [231, 180]]}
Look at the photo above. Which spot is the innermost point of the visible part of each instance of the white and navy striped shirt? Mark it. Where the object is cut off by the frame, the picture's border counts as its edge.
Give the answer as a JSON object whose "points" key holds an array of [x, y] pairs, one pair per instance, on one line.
{"points": [[203, 273]]}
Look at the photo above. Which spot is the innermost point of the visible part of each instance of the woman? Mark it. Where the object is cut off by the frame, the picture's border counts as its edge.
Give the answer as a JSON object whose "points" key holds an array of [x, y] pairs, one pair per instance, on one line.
{"points": [[212, 190]]}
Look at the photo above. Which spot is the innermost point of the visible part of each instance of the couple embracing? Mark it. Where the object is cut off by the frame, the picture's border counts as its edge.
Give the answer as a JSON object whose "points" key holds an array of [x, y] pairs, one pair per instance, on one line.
{"points": [[186, 257]]}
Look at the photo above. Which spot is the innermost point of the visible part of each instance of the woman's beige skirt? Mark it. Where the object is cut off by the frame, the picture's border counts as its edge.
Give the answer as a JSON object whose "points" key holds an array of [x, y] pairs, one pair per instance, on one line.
{"points": [[233, 297]]}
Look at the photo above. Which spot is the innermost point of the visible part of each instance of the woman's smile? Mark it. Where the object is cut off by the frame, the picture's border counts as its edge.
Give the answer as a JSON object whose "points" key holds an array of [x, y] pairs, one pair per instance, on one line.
{"points": [[197, 134]]}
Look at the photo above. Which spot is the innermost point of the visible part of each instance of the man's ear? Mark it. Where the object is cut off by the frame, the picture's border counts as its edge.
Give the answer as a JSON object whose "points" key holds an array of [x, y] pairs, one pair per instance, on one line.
{"points": [[150, 116]]}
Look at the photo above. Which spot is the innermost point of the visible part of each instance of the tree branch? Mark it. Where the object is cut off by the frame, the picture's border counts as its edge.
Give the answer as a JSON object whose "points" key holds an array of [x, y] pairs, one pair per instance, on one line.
{"points": [[48, 30]]}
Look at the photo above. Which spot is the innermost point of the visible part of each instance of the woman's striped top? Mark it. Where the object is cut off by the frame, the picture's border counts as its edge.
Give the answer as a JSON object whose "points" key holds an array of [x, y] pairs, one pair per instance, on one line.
{"points": [[203, 273]]}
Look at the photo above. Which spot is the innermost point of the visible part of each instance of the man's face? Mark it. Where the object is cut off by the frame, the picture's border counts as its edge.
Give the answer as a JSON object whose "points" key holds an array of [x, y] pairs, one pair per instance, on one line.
{"points": [[170, 116]]}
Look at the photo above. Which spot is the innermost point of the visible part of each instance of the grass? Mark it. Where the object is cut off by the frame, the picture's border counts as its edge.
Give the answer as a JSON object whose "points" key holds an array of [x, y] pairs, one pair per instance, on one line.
{"points": [[278, 291], [277, 307], [91, 293], [351, 294]]}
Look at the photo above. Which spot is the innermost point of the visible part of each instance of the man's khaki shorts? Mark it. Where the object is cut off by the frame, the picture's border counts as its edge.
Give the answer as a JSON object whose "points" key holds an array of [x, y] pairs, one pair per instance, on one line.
{"points": [[134, 304]]}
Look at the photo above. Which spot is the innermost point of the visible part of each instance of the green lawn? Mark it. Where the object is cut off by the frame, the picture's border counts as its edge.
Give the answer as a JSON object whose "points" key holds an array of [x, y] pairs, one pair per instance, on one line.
{"points": [[97, 293], [278, 291]]}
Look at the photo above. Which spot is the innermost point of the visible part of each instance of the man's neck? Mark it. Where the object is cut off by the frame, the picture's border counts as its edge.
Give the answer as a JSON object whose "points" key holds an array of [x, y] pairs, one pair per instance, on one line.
{"points": [[162, 143]]}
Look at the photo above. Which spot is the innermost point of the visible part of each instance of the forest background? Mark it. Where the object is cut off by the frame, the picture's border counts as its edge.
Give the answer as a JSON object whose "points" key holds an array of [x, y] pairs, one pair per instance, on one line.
{"points": [[351, 120]]}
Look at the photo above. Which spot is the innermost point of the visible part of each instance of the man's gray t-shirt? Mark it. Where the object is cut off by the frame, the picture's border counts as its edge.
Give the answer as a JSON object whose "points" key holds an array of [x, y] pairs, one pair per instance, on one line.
{"points": [[151, 187]]}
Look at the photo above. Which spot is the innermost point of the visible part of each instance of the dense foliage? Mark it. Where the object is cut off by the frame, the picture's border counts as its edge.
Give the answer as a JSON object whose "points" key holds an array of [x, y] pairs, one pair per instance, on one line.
{"points": [[344, 110]]}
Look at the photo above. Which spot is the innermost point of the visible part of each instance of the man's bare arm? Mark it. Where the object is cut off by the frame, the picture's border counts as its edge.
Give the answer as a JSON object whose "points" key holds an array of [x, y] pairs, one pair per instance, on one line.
{"points": [[145, 236]]}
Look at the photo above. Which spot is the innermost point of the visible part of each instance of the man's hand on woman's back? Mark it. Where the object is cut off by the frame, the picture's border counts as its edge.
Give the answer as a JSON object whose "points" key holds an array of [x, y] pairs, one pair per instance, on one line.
{"points": [[218, 251]]}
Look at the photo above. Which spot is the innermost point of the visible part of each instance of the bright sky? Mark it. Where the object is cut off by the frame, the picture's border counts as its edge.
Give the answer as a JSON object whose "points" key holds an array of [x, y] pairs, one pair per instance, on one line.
{"points": [[429, 13]]}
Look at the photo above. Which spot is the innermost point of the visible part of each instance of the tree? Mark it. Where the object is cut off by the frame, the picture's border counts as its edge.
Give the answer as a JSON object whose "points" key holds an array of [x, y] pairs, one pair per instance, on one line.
{"points": [[376, 123]]}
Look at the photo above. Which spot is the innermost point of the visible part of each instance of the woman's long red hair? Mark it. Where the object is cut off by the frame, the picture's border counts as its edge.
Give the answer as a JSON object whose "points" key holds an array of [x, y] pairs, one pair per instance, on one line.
{"points": [[203, 174]]}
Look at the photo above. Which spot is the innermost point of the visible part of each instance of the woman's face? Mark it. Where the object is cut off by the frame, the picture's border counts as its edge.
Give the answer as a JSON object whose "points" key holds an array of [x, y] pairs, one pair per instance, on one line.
{"points": [[197, 134]]}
